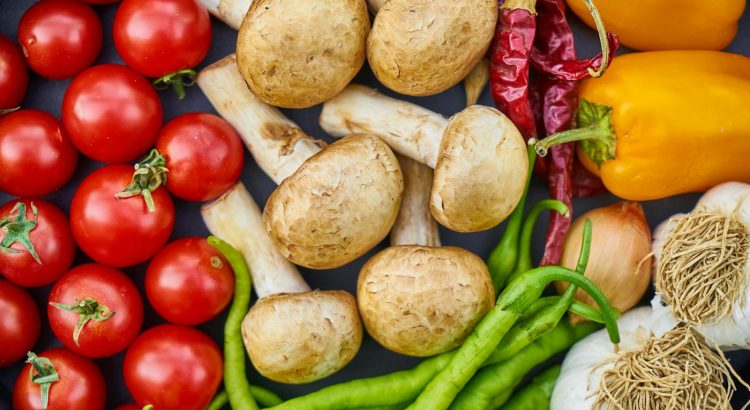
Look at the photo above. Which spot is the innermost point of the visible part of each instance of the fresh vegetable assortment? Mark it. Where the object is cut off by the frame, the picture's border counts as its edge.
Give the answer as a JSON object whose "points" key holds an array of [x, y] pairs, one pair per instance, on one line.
{"points": [[642, 126]]}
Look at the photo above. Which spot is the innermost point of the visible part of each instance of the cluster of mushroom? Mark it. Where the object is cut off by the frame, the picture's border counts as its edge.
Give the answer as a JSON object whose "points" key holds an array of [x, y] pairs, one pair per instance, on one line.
{"points": [[336, 202]]}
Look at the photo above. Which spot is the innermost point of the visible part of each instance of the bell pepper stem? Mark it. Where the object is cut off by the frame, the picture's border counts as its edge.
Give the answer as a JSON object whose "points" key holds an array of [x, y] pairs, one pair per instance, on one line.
{"points": [[596, 134], [577, 134]]}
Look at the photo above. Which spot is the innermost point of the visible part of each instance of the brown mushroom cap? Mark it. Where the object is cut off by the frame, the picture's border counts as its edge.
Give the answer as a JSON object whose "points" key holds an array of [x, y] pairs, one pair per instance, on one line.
{"points": [[423, 47], [298, 53], [302, 337], [481, 172], [421, 301], [338, 205]]}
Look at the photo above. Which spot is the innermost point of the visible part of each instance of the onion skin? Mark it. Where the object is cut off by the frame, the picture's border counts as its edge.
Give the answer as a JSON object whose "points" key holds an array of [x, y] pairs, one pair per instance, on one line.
{"points": [[621, 241]]}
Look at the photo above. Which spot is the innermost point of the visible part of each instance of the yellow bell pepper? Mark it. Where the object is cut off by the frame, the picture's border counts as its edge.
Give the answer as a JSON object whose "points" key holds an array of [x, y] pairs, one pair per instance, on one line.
{"points": [[668, 24], [663, 123]]}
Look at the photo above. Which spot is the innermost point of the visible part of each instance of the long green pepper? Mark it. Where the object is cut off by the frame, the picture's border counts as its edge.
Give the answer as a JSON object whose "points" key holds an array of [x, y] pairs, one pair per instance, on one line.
{"points": [[492, 382], [537, 394], [235, 378], [511, 304], [265, 398], [503, 258]]}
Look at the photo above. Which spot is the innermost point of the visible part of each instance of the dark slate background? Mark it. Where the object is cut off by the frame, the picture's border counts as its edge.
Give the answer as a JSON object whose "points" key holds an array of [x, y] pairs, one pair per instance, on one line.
{"points": [[372, 359]]}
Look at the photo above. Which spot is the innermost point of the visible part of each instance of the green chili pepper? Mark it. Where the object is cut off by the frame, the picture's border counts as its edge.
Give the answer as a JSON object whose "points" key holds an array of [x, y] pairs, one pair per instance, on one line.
{"points": [[517, 297], [504, 257], [235, 379], [265, 398], [524, 256], [537, 394], [489, 386]]}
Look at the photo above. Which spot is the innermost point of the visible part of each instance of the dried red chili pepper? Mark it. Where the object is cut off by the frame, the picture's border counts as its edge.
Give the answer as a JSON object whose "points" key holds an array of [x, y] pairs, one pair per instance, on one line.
{"points": [[509, 63], [555, 95]]}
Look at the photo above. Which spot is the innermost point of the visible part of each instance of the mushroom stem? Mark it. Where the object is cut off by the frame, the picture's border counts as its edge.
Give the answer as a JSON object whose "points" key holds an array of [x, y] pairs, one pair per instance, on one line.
{"points": [[277, 144], [236, 218], [409, 129], [415, 224], [230, 12]]}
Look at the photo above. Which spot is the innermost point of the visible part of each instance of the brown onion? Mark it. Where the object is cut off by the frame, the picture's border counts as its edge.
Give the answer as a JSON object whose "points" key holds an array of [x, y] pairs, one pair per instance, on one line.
{"points": [[620, 261]]}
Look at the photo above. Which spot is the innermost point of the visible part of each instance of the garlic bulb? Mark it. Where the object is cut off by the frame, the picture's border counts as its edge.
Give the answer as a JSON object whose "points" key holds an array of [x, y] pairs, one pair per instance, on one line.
{"points": [[702, 269], [659, 365]]}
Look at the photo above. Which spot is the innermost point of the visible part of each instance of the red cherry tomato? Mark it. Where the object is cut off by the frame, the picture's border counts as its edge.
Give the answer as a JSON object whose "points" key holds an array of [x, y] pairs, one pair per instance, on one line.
{"points": [[36, 156], [160, 37], [119, 231], [14, 78], [50, 237], [60, 38], [111, 113], [173, 368], [80, 385], [204, 156], [107, 299], [102, 2], [189, 282], [19, 323]]}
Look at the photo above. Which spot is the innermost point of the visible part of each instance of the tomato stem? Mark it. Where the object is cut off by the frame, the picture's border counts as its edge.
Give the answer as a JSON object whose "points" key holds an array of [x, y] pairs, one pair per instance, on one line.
{"points": [[87, 309], [177, 80], [18, 229], [45, 375], [150, 173]]}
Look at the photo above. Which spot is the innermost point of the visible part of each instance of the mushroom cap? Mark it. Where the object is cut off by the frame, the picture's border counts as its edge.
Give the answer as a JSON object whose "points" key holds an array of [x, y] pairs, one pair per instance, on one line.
{"points": [[481, 170], [423, 47], [299, 53], [340, 203], [422, 301], [302, 337]]}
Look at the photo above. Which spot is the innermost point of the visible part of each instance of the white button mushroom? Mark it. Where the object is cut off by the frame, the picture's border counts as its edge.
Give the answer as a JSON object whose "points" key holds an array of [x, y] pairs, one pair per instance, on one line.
{"points": [[419, 299], [338, 205], [299, 53], [332, 206], [422, 301], [423, 47], [479, 156], [292, 334]]}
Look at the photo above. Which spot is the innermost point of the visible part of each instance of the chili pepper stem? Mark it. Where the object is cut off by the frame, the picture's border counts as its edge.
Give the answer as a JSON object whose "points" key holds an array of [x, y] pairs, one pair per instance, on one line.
{"points": [[527, 230], [177, 80], [150, 173], [602, 39], [18, 229]]}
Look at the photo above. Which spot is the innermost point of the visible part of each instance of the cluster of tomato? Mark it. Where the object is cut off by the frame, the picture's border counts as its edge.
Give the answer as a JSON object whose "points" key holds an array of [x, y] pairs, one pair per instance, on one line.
{"points": [[119, 216]]}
